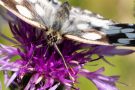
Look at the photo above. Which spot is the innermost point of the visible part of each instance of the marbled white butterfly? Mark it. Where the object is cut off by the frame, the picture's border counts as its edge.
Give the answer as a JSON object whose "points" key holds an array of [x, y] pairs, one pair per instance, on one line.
{"points": [[73, 23]]}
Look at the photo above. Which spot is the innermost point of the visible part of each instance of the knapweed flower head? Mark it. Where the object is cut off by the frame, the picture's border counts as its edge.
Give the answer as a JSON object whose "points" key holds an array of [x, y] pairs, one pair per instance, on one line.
{"points": [[33, 65]]}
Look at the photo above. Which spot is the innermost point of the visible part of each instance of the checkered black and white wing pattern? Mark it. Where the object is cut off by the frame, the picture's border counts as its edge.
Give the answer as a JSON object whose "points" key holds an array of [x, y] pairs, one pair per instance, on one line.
{"points": [[121, 34], [88, 27], [35, 12]]}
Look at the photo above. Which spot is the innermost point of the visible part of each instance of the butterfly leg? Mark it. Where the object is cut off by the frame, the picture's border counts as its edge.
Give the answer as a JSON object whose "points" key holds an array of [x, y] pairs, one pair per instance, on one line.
{"points": [[53, 38], [64, 61]]}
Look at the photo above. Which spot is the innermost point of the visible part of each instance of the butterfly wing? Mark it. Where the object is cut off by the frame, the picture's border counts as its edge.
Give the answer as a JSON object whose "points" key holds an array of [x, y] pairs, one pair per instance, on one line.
{"points": [[35, 12], [26, 13], [84, 26], [61, 16], [87, 27]]}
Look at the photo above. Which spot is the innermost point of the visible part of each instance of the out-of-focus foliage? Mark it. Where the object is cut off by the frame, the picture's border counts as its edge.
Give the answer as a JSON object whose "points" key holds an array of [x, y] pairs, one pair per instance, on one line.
{"points": [[117, 10]]}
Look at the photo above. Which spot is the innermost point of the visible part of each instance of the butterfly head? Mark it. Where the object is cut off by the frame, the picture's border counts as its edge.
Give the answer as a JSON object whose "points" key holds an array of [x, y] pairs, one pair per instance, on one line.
{"points": [[53, 36]]}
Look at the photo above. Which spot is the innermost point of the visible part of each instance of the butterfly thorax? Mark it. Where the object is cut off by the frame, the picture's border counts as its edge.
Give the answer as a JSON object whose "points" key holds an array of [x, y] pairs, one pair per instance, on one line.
{"points": [[53, 36]]}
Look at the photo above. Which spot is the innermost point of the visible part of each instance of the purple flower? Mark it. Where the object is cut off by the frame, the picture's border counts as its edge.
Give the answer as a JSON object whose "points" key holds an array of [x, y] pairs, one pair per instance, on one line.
{"points": [[36, 66], [102, 82]]}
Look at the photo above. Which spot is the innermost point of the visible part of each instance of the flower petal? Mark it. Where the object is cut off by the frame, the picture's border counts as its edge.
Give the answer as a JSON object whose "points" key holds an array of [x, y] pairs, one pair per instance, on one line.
{"points": [[55, 86], [11, 79], [102, 82]]}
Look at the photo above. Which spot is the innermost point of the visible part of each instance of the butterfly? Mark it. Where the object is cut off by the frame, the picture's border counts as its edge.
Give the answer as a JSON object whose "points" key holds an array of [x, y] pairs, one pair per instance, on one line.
{"points": [[60, 21], [63, 21]]}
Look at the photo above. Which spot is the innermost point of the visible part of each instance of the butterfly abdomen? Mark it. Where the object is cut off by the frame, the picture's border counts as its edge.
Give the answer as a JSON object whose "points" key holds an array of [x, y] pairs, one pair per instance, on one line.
{"points": [[121, 34]]}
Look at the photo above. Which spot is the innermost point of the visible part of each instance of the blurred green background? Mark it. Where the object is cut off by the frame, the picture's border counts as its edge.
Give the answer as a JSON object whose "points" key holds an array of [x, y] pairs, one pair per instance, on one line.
{"points": [[117, 10]]}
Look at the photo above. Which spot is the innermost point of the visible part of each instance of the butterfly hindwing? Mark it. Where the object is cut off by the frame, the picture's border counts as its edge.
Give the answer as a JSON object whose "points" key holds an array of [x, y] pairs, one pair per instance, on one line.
{"points": [[81, 27], [85, 26]]}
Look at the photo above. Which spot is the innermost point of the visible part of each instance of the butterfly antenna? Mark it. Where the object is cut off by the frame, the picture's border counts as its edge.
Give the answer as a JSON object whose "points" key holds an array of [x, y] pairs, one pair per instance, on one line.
{"points": [[63, 59]]}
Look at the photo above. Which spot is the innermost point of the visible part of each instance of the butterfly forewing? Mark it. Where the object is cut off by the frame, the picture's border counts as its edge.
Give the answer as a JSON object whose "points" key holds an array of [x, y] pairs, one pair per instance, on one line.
{"points": [[25, 10], [81, 27]]}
